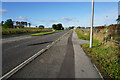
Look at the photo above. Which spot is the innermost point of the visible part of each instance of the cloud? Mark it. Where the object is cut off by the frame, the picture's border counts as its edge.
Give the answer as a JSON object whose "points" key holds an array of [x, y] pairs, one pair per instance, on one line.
{"points": [[67, 19], [3, 10], [22, 18]]}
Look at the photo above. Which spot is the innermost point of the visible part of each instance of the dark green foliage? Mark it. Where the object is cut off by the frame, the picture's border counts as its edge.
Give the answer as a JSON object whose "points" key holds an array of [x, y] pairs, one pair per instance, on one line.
{"points": [[2, 22], [17, 23], [54, 26], [71, 27], [58, 26], [25, 23], [118, 28], [22, 23], [118, 20], [78, 27], [29, 24], [82, 27], [8, 24], [41, 27]]}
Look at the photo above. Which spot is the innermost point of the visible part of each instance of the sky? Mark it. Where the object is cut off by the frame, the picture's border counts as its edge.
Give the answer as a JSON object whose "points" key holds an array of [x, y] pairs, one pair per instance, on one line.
{"points": [[67, 13], [59, 0]]}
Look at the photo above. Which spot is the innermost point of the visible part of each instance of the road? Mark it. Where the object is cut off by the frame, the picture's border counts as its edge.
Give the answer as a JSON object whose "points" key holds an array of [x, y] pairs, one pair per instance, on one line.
{"points": [[65, 59], [15, 50]]}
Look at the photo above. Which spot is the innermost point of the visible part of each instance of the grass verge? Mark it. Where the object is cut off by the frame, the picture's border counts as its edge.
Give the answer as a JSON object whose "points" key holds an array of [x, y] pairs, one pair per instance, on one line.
{"points": [[45, 33], [81, 35], [106, 59], [105, 56], [13, 32]]}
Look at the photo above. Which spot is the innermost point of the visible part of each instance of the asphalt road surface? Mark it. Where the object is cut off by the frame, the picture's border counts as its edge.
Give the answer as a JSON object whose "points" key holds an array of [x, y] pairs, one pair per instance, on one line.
{"points": [[15, 50], [65, 59]]}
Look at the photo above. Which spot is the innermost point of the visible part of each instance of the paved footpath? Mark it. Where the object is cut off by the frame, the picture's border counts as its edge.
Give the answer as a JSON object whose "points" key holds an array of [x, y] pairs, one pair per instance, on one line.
{"points": [[83, 66], [65, 59]]}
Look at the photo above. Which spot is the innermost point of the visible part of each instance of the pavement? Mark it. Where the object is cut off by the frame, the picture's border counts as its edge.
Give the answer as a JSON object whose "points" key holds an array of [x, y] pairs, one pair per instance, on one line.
{"points": [[65, 59], [83, 65]]}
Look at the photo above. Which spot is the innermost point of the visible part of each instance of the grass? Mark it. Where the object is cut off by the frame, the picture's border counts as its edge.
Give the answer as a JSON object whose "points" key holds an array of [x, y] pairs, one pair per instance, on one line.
{"points": [[105, 56], [116, 36], [12, 32], [81, 35], [45, 33]]}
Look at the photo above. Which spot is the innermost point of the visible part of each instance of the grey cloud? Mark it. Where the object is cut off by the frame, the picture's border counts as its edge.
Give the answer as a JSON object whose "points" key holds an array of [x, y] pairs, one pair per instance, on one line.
{"points": [[66, 19], [22, 18], [3, 10]]}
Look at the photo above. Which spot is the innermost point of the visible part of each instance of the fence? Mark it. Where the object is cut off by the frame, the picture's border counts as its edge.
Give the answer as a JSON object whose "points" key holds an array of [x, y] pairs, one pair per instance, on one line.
{"points": [[108, 35]]}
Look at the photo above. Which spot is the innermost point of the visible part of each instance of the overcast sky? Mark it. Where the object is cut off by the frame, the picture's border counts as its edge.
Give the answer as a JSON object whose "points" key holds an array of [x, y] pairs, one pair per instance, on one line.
{"points": [[67, 13]]}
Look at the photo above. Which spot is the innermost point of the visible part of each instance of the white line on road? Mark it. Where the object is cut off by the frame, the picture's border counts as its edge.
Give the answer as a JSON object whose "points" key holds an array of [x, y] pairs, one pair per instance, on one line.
{"points": [[23, 64]]}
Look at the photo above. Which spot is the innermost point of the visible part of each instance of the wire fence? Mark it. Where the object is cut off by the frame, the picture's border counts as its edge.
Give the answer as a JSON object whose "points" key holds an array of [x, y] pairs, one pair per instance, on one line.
{"points": [[108, 36]]}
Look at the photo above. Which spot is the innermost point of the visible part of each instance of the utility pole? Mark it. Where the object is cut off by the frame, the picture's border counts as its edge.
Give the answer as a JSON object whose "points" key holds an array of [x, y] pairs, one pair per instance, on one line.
{"points": [[92, 19]]}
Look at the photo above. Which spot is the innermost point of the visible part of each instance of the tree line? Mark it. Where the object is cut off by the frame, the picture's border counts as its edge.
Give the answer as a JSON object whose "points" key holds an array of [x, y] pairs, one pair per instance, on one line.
{"points": [[10, 24]]}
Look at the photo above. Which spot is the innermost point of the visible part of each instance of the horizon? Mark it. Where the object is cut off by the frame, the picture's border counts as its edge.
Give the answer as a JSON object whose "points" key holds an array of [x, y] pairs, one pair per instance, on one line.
{"points": [[66, 13]]}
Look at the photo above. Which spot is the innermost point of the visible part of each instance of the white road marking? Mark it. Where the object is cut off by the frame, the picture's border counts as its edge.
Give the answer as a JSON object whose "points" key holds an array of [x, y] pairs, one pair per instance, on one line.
{"points": [[20, 66]]}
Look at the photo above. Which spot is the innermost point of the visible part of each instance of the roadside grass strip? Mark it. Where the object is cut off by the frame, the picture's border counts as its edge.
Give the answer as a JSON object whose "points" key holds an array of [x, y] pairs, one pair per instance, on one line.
{"points": [[81, 35], [45, 33], [106, 59], [105, 56], [10, 32]]}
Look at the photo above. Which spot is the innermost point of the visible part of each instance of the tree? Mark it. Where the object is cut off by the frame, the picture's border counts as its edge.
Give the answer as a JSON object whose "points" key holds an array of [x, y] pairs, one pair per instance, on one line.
{"points": [[2, 22], [59, 26], [22, 23], [25, 24], [78, 27], [54, 26], [41, 26], [8, 23], [62, 28], [118, 20], [71, 27], [29, 24], [17, 23]]}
